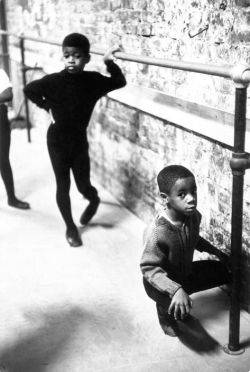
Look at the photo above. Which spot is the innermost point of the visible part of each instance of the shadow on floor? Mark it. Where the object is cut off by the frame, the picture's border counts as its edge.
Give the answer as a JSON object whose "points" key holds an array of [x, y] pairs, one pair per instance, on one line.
{"points": [[114, 204], [245, 343], [35, 348], [196, 338], [210, 304], [106, 217], [45, 338], [105, 225]]}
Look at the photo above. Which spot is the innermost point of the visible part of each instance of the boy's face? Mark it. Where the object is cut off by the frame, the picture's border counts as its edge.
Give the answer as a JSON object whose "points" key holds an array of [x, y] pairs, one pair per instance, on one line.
{"points": [[74, 59], [182, 198]]}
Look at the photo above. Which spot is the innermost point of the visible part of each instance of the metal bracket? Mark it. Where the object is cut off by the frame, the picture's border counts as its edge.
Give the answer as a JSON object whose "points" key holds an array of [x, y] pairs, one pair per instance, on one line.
{"points": [[237, 73], [239, 163]]}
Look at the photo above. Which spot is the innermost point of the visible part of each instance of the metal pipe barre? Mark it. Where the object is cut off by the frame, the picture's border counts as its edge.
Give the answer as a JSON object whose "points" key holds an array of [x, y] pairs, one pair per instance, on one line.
{"points": [[240, 75]]}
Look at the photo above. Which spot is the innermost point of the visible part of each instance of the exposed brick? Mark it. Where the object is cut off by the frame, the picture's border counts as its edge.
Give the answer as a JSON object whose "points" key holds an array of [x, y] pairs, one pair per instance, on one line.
{"points": [[242, 3], [128, 147]]}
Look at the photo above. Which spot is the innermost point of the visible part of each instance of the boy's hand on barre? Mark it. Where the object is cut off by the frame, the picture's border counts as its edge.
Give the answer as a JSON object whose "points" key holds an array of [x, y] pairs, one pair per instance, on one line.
{"points": [[181, 304], [109, 55]]}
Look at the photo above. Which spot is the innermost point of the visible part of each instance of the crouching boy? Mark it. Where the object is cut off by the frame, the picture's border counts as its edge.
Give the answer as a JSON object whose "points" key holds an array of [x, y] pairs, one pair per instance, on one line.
{"points": [[169, 273]]}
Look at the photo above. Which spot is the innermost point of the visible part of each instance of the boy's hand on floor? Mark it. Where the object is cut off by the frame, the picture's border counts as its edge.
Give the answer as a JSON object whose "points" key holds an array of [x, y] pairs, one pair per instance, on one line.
{"points": [[109, 55], [181, 304]]}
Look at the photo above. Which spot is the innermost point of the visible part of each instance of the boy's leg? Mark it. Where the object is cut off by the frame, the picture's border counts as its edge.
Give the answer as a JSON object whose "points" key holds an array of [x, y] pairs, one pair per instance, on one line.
{"points": [[81, 172], [206, 274], [5, 167], [167, 322], [59, 159], [6, 171]]}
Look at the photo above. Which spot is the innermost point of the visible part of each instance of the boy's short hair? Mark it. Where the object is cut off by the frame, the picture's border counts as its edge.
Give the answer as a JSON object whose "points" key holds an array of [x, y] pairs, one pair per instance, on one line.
{"points": [[169, 175], [78, 41]]}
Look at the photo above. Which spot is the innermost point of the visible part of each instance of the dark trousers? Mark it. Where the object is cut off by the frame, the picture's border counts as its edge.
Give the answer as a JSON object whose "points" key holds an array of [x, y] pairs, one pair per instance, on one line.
{"points": [[5, 137], [205, 274], [65, 155]]}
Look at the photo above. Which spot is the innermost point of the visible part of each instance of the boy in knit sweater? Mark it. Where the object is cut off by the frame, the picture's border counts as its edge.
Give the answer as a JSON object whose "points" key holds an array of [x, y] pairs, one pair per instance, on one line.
{"points": [[70, 96], [169, 273]]}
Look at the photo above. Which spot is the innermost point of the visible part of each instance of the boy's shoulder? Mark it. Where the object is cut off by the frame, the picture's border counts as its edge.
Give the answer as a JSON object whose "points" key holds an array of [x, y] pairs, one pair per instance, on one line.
{"points": [[160, 221], [51, 77], [84, 75]]}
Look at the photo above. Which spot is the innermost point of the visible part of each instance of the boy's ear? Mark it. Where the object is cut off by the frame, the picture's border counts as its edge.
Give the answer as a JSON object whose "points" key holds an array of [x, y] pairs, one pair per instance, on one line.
{"points": [[164, 196], [87, 58]]}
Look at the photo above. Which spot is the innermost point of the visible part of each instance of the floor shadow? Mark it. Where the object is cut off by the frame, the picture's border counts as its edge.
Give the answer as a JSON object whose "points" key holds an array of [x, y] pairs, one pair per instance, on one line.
{"points": [[206, 302], [196, 338], [33, 349], [48, 337], [107, 217], [90, 225], [115, 204], [245, 343]]}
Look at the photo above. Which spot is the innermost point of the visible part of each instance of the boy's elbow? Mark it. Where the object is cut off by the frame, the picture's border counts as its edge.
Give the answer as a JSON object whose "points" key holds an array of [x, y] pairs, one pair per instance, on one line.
{"points": [[121, 83], [124, 83]]}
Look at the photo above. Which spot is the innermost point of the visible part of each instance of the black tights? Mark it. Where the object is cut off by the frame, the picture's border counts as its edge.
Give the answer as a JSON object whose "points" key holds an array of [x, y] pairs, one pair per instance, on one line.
{"points": [[5, 167], [66, 155]]}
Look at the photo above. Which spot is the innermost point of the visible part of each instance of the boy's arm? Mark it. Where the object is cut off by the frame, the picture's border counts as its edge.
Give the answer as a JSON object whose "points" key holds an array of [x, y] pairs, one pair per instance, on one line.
{"points": [[6, 95], [151, 265], [34, 92], [204, 246], [116, 79], [152, 271]]}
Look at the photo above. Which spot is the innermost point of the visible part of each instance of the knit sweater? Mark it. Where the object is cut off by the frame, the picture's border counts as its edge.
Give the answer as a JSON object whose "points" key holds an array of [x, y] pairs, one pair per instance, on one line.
{"points": [[168, 252], [71, 97]]}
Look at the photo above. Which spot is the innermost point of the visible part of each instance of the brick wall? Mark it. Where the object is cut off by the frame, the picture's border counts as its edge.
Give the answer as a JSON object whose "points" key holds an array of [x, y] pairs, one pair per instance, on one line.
{"points": [[128, 147], [164, 29]]}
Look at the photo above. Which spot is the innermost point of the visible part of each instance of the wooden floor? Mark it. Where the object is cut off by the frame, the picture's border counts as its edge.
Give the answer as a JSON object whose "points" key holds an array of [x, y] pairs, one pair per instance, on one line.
{"points": [[84, 309]]}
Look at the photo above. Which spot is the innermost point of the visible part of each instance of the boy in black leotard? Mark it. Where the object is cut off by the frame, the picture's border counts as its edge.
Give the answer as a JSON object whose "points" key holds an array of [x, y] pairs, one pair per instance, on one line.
{"points": [[70, 97], [5, 136]]}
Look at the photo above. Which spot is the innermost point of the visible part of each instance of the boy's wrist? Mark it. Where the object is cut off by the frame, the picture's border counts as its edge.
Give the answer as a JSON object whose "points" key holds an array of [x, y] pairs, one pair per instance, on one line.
{"points": [[177, 289]]}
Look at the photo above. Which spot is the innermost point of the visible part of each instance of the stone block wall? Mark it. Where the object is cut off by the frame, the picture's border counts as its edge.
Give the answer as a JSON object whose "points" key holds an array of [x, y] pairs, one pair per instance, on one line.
{"points": [[211, 31], [129, 147]]}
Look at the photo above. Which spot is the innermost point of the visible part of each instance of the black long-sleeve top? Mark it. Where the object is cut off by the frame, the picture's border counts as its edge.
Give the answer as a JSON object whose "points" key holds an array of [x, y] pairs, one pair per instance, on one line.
{"points": [[71, 97]]}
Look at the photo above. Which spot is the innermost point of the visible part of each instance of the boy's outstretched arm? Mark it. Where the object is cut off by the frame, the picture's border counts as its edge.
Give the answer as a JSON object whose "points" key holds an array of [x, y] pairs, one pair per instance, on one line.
{"points": [[117, 79], [109, 55]]}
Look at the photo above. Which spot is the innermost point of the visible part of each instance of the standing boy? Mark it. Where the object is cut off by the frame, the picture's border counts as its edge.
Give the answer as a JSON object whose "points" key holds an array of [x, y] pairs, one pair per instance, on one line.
{"points": [[70, 97], [6, 96], [169, 273]]}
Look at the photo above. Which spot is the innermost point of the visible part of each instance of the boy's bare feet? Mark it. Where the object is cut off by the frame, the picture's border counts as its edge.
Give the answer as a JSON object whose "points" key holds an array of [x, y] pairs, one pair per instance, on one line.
{"points": [[167, 322], [90, 211]]}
